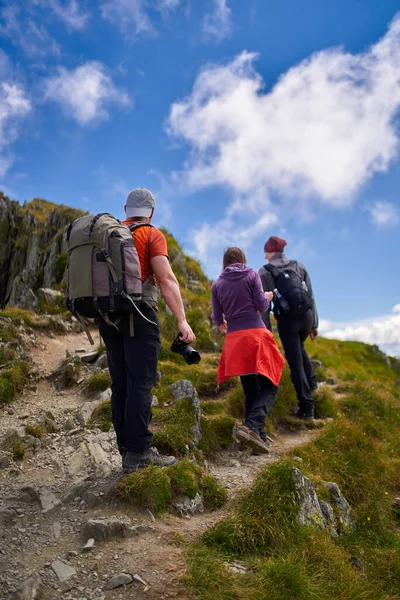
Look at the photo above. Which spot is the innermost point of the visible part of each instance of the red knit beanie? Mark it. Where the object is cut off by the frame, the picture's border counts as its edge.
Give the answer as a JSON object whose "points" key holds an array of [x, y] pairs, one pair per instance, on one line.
{"points": [[274, 244]]}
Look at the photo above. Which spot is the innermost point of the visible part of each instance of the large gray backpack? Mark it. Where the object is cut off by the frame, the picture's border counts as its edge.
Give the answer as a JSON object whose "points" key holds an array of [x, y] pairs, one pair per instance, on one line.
{"points": [[103, 270]]}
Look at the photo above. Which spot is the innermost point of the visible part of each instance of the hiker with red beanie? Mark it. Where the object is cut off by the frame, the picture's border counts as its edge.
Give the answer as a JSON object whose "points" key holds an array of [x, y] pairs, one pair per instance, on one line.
{"points": [[296, 316], [250, 350]]}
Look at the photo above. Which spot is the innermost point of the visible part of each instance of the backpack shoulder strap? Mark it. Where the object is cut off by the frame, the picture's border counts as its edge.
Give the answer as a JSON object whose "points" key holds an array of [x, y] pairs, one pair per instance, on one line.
{"points": [[272, 269], [138, 224]]}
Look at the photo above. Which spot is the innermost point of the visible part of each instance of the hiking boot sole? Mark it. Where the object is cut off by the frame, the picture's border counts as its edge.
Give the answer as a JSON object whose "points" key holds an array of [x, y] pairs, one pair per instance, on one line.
{"points": [[252, 441], [143, 465]]}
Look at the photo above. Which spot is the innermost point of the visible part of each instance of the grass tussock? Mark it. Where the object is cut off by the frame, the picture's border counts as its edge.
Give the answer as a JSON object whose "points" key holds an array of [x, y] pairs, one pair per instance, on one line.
{"points": [[174, 428], [155, 488], [99, 382], [185, 477], [14, 444], [325, 405], [149, 488], [101, 416], [217, 433], [12, 379], [264, 521], [36, 430]]}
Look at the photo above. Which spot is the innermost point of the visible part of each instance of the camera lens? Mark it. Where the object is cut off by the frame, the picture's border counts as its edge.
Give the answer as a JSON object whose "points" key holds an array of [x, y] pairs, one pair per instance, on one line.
{"points": [[191, 356]]}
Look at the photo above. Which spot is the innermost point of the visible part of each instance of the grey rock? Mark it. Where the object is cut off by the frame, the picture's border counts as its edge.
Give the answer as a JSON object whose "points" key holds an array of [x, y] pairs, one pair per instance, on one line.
{"points": [[137, 578], [343, 511], [317, 364], [89, 357], [50, 296], [118, 580], [80, 350], [329, 516], [67, 373], [56, 528], [48, 501], [236, 567], [331, 381], [310, 512], [89, 545], [356, 563], [106, 529], [31, 388], [154, 401], [29, 494], [158, 378], [23, 296], [190, 506], [98, 458], [185, 389], [102, 361], [30, 589], [7, 516], [62, 570], [143, 528]]}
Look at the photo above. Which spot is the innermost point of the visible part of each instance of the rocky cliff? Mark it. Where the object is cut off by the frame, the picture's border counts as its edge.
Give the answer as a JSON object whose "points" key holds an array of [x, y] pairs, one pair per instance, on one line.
{"points": [[32, 253]]}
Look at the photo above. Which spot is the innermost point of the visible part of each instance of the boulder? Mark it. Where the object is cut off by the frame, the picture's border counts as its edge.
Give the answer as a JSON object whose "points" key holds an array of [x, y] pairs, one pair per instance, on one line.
{"points": [[189, 506], [23, 296], [30, 589], [118, 580], [67, 374], [62, 570], [343, 511], [310, 512], [101, 529], [89, 357], [102, 361], [50, 296], [185, 389], [317, 364]]}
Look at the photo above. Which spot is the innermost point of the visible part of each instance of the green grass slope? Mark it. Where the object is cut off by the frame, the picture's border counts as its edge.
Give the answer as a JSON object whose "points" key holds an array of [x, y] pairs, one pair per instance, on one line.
{"points": [[360, 451]]}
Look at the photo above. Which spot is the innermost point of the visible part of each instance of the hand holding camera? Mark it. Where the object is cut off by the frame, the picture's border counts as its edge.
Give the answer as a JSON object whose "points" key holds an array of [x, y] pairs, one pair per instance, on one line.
{"points": [[189, 354]]}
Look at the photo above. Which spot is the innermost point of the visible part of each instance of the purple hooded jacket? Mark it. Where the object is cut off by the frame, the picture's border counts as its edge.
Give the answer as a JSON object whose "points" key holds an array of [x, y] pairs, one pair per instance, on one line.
{"points": [[238, 296]]}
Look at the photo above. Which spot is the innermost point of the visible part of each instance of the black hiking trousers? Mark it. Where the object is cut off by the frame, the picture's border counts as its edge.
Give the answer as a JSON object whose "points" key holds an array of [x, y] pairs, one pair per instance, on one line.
{"points": [[132, 361], [260, 394], [293, 333]]}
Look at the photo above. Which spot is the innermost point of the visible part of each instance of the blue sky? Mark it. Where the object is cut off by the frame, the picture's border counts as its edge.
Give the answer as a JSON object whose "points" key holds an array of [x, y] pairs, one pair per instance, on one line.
{"points": [[246, 119]]}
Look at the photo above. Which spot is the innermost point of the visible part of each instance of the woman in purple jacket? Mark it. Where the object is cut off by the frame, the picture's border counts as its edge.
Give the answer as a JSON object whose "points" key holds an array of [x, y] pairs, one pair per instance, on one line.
{"points": [[250, 350]]}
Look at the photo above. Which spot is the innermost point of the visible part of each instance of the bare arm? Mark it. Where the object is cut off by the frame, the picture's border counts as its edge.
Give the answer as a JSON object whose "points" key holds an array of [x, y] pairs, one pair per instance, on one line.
{"points": [[170, 291]]}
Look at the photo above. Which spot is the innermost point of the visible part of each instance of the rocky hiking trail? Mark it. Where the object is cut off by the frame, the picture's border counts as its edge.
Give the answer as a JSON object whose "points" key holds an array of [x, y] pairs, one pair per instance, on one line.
{"points": [[58, 498]]}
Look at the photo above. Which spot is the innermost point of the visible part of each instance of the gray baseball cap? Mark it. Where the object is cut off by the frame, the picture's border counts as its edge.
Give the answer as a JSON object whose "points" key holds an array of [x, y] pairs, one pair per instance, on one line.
{"points": [[140, 203]]}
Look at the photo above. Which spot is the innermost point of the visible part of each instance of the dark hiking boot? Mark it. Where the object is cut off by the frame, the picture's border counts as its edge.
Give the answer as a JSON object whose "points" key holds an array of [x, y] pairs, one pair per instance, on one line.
{"points": [[306, 416], [252, 439], [133, 461], [265, 438]]}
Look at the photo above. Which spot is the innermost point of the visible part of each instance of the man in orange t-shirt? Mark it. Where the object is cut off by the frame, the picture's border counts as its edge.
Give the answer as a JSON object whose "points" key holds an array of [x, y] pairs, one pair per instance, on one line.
{"points": [[133, 348]]}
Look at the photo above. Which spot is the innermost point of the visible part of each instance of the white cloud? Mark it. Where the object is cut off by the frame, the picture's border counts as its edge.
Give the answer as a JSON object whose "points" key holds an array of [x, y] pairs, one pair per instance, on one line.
{"points": [[384, 214], [70, 12], [14, 106], [84, 92], [20, 27], [396, 308], [217, 25], [132, 16], [322, 131], [209, 240], [383, 331]]}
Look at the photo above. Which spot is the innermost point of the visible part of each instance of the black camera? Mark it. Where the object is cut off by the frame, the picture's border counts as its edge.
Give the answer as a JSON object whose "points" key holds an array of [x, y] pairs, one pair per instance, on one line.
{"points": [[189, 354]]}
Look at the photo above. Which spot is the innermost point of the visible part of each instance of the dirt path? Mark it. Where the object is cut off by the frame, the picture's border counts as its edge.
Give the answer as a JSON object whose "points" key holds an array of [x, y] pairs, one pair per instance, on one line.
{"points": [[46, 500]]}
